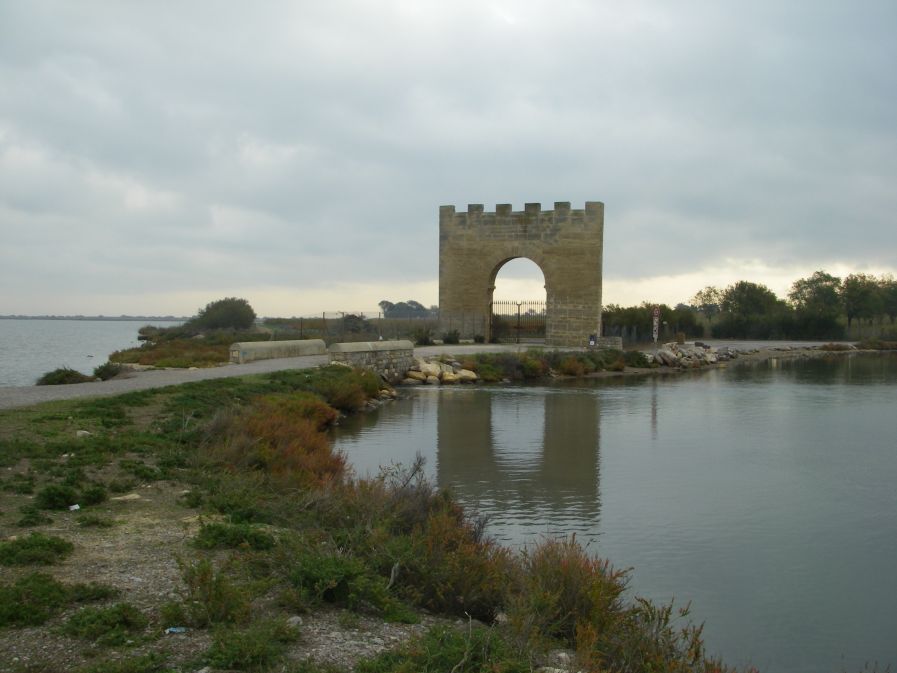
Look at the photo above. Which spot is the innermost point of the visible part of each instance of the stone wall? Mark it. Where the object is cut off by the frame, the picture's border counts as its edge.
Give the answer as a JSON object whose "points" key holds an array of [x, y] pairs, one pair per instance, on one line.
{"points": [[566, 244], [390, 359], [248, 351]]}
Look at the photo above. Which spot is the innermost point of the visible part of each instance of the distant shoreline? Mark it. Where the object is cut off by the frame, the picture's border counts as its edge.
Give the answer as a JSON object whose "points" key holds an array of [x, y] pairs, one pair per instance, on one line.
{"points": [[121, 318]]}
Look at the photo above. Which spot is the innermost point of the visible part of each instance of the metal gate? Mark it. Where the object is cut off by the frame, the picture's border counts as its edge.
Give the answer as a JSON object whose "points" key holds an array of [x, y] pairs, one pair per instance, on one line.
{"points": [[518, 321]]}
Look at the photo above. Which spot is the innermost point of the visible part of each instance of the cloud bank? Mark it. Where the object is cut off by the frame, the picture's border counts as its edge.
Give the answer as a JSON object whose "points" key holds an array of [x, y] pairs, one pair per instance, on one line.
{"points": [[156, 156]]}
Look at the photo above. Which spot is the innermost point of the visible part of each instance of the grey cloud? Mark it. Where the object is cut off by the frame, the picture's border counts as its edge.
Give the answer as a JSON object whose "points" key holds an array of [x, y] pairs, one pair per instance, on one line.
{"points": [[335, 130]]}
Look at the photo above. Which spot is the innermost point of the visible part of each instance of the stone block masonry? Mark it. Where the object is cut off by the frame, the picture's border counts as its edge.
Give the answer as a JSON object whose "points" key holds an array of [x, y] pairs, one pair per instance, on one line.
{"points": [[249, 351], [389, 359], [565, 243]]}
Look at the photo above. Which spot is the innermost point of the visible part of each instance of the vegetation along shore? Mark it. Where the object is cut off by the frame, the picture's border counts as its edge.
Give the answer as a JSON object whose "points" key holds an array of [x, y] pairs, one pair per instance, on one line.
{"points": [[212, 526]]}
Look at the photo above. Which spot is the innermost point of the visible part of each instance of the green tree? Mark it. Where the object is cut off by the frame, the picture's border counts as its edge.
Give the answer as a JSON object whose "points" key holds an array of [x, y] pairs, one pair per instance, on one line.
{"points": [[746, 299], [707, 301], [888, 290], [228, 313], [862, 297], [818, 304], [752, 311]]}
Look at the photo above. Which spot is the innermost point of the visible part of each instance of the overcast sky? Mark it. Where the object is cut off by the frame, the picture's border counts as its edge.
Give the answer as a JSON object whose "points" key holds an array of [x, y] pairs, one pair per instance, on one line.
{"points": [[155, 156]]}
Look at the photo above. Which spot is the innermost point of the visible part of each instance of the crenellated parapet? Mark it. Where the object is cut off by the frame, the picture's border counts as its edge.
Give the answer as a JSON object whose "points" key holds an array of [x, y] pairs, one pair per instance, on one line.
{"points": [[531, 223]]}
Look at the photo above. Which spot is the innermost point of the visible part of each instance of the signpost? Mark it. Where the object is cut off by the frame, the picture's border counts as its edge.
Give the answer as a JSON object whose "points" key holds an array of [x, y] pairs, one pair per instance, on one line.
{"points": [[656, 328]]}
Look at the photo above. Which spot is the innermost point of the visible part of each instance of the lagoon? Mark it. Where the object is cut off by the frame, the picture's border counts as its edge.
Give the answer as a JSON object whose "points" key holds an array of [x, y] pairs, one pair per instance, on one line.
{"points": [[765, 495], [31, 347]]}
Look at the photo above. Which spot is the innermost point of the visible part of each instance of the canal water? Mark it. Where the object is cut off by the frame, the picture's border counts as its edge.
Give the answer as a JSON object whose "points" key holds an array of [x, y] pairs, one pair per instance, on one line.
{"points": [[765, 495]]}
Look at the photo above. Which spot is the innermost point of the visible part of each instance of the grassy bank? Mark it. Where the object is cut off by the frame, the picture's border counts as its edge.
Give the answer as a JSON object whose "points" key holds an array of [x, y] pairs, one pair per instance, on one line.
{"points": [[219, 509]]}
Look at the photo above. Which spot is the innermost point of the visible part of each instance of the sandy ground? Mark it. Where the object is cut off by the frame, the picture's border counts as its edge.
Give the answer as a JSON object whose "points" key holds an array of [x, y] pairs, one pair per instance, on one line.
{"points": [[23, 396]]}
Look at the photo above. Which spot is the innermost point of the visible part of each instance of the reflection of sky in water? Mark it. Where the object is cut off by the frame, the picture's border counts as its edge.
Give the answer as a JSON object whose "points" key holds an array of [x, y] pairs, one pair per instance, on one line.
{"points": [[765, 495]]}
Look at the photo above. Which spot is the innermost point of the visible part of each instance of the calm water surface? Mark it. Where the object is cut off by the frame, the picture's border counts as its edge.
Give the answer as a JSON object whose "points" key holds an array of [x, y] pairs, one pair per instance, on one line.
{"points": [[30, 348], [765, 495]]}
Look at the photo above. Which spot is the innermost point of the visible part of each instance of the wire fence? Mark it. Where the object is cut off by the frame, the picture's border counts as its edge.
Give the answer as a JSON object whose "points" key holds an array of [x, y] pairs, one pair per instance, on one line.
{"points": [[508, 321]]}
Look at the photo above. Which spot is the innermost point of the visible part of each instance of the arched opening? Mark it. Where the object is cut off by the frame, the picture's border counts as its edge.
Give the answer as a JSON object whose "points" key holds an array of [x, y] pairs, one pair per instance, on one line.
{"points": [[518, 303]]}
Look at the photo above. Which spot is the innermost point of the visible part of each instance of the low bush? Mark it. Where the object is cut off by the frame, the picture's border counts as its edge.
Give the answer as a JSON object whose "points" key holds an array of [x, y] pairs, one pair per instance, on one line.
{"points": [[453, 568], [321, 576], [56, 496], [210, 597], [23, 484], [94, 521], [344, 388], [560, 590], [107, 371], [63, 376], [36, 549], [33, 599], [115, 625], [635, 359], [278, 438], [93, 494], [452, 337], [146, 663], [572, 366], [877, 345], [422, 336], [230, 536], [32, 516], [255, 648], [476, 649]]}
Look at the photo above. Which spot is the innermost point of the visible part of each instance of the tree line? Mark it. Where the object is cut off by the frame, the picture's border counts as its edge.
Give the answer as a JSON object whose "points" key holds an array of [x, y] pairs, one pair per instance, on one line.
{"points": [[821, 306]]}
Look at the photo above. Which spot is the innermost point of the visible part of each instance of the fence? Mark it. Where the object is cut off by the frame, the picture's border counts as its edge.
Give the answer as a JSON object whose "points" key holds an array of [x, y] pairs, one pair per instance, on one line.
{"points": [[518, 321]]}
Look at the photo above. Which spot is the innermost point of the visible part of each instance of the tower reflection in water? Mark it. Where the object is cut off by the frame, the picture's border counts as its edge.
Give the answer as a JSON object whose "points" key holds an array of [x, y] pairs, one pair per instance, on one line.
{"points": [[527, 458]]}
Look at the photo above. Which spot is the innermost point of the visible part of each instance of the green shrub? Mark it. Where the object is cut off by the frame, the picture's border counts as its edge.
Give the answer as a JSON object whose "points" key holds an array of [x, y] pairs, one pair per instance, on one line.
{"points": [[32, 516], [107, 626], [453, 569], [23, 484], [63, 376], [210, 597], [227, 313], [561, 589], [635, 359], [229, 536], [36, 597], [147, 663], [56, 496], [93, 495], [255, 648], [32, 600], [94, 521], [476, 649], [572, 366], [451, 337], [339, 579], [422, 336], [36, 549], [107, 371]]}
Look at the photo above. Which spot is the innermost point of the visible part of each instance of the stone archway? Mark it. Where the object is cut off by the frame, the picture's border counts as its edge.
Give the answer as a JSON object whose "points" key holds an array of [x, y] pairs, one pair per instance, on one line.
{"points": [[565, 244]]}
